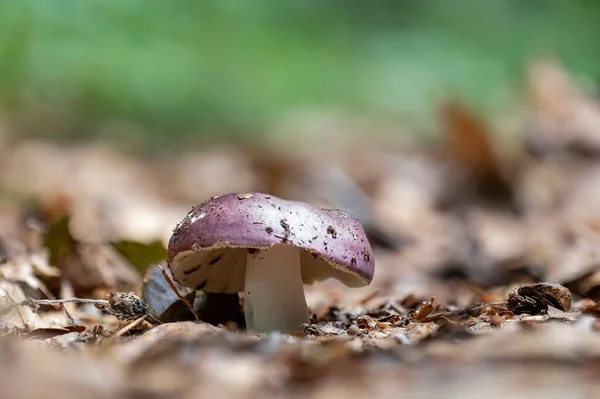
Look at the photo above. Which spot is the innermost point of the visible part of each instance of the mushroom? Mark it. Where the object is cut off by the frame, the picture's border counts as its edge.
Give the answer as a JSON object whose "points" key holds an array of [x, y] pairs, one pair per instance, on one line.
{"points": [[268, 247]]}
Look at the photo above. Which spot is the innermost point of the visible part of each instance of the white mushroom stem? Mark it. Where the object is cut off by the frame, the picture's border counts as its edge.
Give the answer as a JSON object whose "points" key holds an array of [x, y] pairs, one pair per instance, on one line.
{"points": [[273, 290]]}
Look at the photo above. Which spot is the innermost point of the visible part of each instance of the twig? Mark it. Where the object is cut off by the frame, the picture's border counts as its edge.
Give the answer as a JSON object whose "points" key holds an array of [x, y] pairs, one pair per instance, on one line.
{"points": [[183, 299], [122, 305], [154, 319], [69, 315], [102, 302], [36, 303], [129, 326]]}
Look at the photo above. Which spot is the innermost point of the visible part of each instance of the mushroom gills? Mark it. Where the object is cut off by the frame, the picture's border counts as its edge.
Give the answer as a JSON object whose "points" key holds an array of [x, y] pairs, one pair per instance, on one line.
{"points": [[273, 290]]}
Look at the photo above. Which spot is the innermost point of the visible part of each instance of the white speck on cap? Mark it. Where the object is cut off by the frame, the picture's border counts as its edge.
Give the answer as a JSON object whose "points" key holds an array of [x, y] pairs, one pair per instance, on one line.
{"points": [[200, 216]]}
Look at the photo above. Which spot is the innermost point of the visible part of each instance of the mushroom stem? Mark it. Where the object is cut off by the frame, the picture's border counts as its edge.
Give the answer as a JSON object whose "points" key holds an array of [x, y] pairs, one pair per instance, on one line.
{"points": [[273, 290]]}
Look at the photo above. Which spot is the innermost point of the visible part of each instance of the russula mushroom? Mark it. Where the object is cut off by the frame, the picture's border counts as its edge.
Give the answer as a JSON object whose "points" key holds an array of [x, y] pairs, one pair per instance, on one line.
{"points": [[268, 247]]}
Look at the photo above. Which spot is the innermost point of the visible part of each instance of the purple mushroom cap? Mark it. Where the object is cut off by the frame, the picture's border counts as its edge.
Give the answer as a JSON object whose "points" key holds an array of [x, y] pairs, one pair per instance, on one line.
{"points": [[208, 248]]}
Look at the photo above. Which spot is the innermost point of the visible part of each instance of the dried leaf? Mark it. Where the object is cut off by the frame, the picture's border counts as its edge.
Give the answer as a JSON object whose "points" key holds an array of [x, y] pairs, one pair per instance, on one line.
{"points": [[536, 298], [26, 268], [425, 310], [469, 145], [16, 317], [50, 332], [566, 119], [99, 265], [587, 286], [159, 296]]}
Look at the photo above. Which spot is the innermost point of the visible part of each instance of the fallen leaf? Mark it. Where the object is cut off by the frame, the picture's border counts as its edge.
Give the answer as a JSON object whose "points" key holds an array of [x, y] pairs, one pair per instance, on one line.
{"points": [[28, 269], [469, 146], [159, 296], [425, 310], [19, 318], [50, 332], [536, 298]]}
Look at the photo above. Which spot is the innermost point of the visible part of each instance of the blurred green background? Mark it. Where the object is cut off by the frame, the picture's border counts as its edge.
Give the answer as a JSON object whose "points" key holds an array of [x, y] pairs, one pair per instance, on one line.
{"points": [[232, 68]]}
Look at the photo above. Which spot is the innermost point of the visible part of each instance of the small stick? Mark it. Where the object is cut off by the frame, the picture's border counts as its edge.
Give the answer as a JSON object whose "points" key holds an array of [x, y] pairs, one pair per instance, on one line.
{"points": [[183, 299], [35, 303], [129, 326], [69, 315], [103, 303], [154, 318]]}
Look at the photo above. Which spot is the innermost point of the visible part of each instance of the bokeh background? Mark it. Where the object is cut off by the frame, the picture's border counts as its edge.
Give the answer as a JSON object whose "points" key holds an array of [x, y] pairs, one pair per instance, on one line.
{"points": [[463, 134], [161, 74]]}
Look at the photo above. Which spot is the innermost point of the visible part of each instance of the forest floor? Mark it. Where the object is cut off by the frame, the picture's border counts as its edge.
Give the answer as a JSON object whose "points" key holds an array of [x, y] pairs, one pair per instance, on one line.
{"points": [[487, 276]]}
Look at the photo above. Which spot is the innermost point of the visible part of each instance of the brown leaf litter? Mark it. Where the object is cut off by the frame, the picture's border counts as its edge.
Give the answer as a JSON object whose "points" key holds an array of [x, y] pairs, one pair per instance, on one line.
{"points": [[486, 284]]}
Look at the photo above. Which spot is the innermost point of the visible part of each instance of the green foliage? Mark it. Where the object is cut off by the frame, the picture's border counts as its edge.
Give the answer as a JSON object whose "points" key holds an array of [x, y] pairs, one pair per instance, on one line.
{"points": [[141, 255], [236, 65]]}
